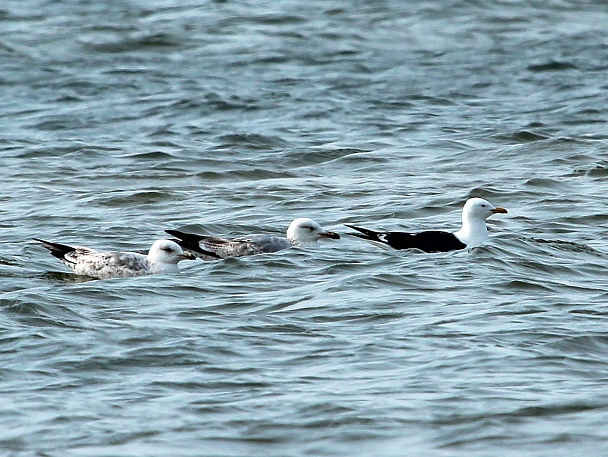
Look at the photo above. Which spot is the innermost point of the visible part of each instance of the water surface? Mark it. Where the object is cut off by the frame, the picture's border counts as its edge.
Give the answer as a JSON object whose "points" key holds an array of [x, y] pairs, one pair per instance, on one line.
{"points": [[122, 119]]}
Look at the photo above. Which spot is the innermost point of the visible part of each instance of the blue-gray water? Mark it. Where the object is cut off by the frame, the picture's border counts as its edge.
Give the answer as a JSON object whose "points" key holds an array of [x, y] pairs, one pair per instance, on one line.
{"points": [[119, 119]]}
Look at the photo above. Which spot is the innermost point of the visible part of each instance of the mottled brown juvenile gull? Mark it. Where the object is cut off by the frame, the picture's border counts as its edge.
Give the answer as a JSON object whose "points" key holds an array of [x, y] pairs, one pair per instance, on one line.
{"points": [[301, 232], [473, 232], [162, 258]]}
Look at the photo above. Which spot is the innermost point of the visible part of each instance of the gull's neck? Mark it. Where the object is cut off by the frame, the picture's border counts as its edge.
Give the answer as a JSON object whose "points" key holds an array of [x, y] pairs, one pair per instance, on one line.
{"points": [[472, 233], [297, 242], [162, 267]]}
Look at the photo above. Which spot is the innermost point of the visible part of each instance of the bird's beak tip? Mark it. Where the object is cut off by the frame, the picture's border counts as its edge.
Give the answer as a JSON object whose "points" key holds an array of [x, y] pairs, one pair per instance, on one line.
{"points": [[332, 235], [187, 255]]}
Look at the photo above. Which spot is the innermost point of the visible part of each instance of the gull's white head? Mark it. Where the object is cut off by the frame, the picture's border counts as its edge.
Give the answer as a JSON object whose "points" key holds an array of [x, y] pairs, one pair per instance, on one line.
{"points": [[474, 214], [478, 209], [166, 253], [307, 231]]}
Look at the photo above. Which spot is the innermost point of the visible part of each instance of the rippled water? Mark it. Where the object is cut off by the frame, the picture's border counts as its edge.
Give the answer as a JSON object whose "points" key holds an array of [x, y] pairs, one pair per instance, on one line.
{"points": [[122, 119]]}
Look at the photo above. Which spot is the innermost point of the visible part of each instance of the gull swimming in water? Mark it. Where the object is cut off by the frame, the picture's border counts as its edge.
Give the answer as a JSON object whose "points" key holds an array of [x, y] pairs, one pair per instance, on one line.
{"points": [[473, 232], [301, 232], [162, 258]]}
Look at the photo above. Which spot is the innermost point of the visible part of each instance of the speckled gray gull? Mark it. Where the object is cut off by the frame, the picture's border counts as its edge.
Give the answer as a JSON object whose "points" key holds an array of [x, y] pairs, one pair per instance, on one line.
{"points": [[473, 232], [163, 257], [301, 232]]}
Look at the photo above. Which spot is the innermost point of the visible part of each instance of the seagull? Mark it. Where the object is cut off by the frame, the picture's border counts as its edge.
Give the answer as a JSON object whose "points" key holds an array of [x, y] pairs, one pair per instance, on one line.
{"points": [[472, 233], [301, 232], [162, 258]]}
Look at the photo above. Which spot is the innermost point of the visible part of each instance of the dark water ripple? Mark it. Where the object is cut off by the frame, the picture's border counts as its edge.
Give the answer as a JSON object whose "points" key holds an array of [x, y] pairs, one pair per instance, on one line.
{"points": [[122, 119]]}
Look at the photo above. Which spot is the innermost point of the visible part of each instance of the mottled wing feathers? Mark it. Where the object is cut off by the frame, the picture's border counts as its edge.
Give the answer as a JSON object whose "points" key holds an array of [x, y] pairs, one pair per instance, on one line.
{"points": [[102, 265], [197, 243], [260, 244], [213, 247]]}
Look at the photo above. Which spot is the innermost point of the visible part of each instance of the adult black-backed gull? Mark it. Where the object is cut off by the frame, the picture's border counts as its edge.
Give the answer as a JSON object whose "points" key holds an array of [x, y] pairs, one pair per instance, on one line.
{"points": [[472, 233], [162, 258], [301, 232]]}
